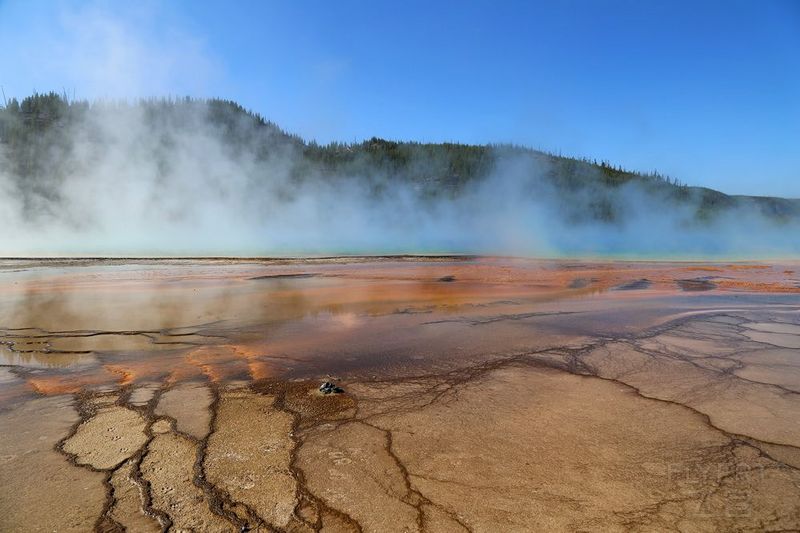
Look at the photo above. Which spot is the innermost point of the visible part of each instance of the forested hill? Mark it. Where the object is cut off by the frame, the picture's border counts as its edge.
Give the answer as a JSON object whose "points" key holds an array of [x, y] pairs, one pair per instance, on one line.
{"points": [[45, 140]]}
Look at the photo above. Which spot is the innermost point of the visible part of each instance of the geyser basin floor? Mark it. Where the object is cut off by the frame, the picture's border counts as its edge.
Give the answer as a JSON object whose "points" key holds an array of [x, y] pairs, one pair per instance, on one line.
{"points": [[480, 394]]}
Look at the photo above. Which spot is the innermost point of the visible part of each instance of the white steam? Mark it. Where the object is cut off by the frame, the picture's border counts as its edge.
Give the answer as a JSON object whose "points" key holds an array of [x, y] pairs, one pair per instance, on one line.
{"points": [[129, 186]]}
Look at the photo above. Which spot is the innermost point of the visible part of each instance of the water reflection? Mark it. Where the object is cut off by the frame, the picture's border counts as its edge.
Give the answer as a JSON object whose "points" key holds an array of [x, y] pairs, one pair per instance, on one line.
{"points": [[63, 328]]}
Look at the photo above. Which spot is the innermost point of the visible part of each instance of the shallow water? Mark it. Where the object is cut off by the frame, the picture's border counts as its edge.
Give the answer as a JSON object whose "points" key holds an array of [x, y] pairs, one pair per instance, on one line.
{"points": [[98, 324]]}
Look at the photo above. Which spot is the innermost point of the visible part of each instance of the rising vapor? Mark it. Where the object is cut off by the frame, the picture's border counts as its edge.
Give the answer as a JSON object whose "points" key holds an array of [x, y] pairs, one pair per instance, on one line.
{"points": [[205, 178]]}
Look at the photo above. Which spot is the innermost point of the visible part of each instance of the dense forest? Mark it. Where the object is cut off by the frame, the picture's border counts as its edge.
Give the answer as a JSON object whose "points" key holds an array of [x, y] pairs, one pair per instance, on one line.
{"points": [[39, 140]]}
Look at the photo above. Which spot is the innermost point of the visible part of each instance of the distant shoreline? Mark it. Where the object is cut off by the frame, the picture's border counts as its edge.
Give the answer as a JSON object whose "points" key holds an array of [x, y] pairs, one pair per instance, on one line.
{"points": [[421, 257]]}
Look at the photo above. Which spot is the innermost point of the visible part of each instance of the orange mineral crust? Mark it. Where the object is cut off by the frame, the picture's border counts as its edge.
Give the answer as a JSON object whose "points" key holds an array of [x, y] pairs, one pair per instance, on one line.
{"points": [[63, 327]]}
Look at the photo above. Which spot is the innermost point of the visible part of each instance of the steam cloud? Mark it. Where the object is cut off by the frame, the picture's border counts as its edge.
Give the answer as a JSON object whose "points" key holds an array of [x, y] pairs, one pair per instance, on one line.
{"points": [[125, 184]]}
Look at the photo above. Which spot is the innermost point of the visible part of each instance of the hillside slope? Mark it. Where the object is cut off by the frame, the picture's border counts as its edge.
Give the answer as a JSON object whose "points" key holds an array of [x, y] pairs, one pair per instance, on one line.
{"points": [[213, 176], [35, 134]]}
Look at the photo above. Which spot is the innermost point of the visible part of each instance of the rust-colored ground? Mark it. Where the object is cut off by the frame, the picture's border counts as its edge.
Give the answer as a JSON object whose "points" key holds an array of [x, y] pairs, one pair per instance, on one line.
{"points": [[481, 394]]}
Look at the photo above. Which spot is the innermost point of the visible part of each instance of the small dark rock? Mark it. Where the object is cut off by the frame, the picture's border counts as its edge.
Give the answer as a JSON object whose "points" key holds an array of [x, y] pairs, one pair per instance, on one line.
{"points": [[447, 279], [329, 388]]}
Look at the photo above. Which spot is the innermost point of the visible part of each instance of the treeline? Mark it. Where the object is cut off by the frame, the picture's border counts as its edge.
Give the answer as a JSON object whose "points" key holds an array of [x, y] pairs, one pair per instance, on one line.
{"points": [[37, 135], [45, 117]]}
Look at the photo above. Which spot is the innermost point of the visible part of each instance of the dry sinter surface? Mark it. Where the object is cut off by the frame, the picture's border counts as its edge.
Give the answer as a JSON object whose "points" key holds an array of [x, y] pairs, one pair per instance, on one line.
{"points": [[480, 394]]}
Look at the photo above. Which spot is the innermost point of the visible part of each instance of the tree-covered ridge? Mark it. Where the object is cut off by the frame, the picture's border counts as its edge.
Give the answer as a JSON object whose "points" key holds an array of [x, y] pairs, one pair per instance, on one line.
{"points": [[39, 141]]}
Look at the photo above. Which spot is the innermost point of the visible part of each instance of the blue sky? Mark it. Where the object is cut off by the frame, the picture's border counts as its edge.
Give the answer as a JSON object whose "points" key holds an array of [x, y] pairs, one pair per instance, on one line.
{"points": [[708, 92]]}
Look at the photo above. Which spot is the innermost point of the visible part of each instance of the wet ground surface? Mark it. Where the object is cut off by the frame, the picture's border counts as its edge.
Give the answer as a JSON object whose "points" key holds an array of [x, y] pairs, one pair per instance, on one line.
{"points": [[480, 394]]}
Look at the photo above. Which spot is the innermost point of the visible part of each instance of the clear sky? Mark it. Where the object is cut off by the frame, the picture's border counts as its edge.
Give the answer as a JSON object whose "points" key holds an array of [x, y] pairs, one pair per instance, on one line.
{"points": [[707, 92]]}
